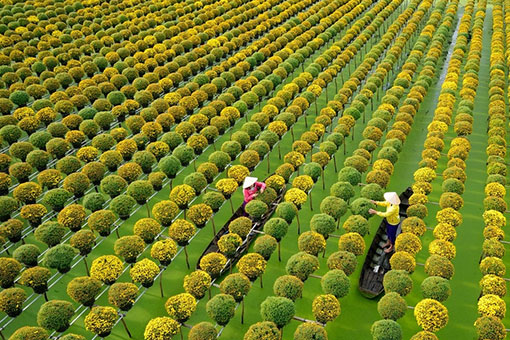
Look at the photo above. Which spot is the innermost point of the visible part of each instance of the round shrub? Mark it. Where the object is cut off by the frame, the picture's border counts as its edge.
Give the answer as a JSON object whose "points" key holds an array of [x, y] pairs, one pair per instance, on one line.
{"points": [[302, 265], [392, 306], [59, 257], [279, 310], [221, 308], [93, 201], [397, 281], [11, 301], [122, 205], [55, 315], [50, 233], [435, 287], [256, 209], [129, 247], [27, 254], [386, 330], [335, 282]]}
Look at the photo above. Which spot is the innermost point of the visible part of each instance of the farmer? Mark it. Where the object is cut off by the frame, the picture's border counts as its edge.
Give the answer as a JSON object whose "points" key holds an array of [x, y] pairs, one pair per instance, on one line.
{"points": [[251, 188], [391, 215]]}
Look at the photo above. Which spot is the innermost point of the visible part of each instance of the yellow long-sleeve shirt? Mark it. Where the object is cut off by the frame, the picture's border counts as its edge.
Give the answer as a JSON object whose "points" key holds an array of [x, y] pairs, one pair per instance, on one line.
{"points": [[391, 213]]}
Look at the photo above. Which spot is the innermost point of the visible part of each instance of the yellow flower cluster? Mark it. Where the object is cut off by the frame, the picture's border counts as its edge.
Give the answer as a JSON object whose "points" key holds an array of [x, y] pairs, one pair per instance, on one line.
{"points": [[408, 242], [449, 216], [278, 127], [442, 248], [33, 212], [227, 186], [238, 172], [492, 305], [294, 158], [494, 218], [276, 182], [252, 265], [87, 154], [181, 306], [200, 214], [325, 308], [352, 242], [101, 320], [213, 263], [164, 251], [72, 216], [296, 196], [181, 231], [418, 198], [492, 284], [303, 182], [182, 195], [424, 175], [445, 231], [197, 283], [161, 328], [106, 268], [431, 315], [144, 272], [402, 260], [495, 189]]}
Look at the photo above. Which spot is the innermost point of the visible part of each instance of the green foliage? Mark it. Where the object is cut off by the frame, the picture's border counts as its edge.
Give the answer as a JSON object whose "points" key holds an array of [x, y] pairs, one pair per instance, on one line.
{"points": [[60, 257], [435, 287], [94, 201], [27, 254], [265, 245], [50, 233], [203, 331], [276, 227], [288, 286], [221, 308], [302, 265], [277, 309], [392, 306], [335, 282], [122, 205], [398, 281], [55, 315], [237, 285], [323, 224], [386, 330]]}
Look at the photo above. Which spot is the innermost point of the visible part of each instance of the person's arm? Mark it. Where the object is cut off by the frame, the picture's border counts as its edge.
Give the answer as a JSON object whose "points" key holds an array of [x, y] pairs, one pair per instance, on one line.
{"points": [[382, 203], [261, 186], [386, 213]]}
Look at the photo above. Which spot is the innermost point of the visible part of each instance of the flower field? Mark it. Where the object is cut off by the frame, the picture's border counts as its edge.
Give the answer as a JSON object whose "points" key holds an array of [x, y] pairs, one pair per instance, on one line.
{"points": [[127, 129]]}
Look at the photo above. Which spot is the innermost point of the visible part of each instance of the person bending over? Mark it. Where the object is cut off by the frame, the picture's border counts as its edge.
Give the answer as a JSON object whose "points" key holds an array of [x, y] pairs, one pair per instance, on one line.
{"points": [[251, 188]]}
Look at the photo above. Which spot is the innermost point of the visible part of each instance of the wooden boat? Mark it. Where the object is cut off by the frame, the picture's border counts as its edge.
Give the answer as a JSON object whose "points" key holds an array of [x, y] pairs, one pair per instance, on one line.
{"points": [[256, 227], [377, 262]]}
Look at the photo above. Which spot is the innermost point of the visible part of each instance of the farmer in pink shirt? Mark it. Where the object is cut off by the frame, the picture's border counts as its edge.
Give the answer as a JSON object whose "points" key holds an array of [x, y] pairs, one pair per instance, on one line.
{"points": [[251, 188]]}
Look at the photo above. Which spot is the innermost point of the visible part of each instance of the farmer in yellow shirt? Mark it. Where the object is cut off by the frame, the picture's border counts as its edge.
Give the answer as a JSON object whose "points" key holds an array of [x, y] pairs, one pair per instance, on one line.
{"points": [[391, 215]]}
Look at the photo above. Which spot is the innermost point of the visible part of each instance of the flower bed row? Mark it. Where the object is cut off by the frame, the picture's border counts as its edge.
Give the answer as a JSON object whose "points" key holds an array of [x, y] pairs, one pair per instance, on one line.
{"points": [[491, 306]]}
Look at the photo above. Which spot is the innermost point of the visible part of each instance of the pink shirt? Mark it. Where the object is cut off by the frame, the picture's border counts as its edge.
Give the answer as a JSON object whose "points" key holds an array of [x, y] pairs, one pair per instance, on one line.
{"points": [[249, 193]]}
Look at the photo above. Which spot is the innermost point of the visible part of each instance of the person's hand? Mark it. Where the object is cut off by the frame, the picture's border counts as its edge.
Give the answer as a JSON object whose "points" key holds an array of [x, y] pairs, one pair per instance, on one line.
{"points": [[262, 190], [371, 211], [255, 195], [372, 201]]}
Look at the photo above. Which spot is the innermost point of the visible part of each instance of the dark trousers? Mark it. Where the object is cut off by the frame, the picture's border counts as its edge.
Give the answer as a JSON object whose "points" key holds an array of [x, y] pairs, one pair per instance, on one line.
{"points": [[391, 231]]}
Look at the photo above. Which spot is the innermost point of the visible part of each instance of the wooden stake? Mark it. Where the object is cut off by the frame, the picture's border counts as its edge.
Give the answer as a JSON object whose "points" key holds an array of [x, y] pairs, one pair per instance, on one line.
{"points": [[261, 284], [213, 226], [161, 284], [311, 204], [292, 133], [231, 205], [86, 265], [148, 209], [125, 327], [279, 152], [45, 294], [323, 180], [242, 312], [187, 257], [117, 232], [268, 164], [298, 224], [334, 162], [306, 120], [279, 253]]}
